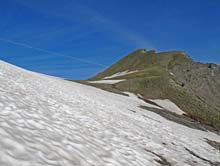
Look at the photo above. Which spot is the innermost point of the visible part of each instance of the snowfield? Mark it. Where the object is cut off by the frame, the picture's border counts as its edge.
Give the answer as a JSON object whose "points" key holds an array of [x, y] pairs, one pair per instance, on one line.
{"points": [[52, 122]]}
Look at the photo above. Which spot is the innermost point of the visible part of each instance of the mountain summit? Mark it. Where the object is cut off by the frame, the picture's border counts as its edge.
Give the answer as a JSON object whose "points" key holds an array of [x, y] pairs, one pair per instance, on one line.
{"points": [[173, 75]]}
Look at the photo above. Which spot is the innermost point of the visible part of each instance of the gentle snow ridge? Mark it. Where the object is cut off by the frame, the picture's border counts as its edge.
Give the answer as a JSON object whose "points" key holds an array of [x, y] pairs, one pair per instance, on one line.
{"points": [[106, 81], [52, 122]]}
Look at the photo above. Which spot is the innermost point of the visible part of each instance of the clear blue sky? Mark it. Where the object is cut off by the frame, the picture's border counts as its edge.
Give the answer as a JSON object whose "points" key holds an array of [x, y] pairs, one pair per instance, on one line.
{"points": [[78, 38]]}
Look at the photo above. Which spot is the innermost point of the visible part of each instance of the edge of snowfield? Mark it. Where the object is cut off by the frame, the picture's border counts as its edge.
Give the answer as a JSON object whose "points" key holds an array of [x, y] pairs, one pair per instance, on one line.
{"points": [[49, 121]]}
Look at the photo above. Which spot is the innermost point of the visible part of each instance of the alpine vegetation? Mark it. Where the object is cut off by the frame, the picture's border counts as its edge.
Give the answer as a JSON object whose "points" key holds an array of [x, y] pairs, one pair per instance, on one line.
{"points": [[194, 87]]}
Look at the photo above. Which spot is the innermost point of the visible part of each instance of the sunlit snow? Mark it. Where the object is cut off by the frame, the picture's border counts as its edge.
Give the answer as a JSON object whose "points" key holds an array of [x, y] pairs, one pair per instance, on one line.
{"points": [[49, 121]]}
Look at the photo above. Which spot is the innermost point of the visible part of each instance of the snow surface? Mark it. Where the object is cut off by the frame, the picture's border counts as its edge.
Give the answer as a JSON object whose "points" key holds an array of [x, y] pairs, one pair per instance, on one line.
{"points": [[168, 105], [106, 81], [52, 122], [120, 74]]}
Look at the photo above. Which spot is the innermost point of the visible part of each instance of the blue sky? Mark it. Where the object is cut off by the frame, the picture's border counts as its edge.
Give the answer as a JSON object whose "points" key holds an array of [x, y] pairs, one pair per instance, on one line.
{"points": [[78, 38]]}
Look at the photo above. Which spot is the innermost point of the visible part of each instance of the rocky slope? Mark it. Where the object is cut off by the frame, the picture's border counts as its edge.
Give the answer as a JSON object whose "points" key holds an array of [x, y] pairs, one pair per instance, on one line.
{"points": [[173, 75]]}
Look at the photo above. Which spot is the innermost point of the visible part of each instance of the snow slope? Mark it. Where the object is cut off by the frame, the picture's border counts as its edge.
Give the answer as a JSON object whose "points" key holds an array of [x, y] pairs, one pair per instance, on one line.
{"points": [[168, 105], [50, 121]]}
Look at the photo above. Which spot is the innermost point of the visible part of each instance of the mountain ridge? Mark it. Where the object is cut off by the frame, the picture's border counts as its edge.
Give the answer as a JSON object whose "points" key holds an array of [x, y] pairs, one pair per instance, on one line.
{"points": [[193, 86], [135, 58]]}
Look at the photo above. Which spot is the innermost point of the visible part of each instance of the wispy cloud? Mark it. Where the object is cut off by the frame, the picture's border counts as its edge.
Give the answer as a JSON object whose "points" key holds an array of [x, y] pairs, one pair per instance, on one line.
{"points": [[51, 52], [65, 27], [76, 11]]}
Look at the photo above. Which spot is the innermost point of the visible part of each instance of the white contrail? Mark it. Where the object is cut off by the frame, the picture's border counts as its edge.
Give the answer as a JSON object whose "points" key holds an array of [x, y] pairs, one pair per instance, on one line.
{"points": [[50, 52]]}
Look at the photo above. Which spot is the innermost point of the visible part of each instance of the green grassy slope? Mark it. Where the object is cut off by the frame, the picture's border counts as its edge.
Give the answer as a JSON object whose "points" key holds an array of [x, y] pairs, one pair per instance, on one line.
{"points": [[173, 75]]}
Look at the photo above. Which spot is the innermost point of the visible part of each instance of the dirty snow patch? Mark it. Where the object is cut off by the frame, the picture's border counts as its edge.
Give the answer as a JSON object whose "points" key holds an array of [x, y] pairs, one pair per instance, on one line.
{"points": [[171, 74]]}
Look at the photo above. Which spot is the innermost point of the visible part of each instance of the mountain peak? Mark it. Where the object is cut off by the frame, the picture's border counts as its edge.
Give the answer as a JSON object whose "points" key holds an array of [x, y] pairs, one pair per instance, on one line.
{"points": [[141, 59], [170, 75]]}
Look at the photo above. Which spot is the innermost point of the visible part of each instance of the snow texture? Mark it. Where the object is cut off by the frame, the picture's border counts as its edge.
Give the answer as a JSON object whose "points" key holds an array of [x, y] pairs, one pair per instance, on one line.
{"points": [[52, 122]]}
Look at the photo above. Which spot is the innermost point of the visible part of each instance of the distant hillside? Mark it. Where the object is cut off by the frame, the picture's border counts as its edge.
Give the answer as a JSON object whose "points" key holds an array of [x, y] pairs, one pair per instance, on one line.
{"points": [[193, 86]]}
